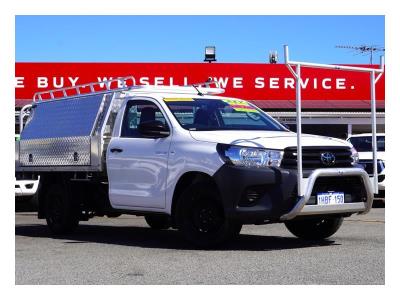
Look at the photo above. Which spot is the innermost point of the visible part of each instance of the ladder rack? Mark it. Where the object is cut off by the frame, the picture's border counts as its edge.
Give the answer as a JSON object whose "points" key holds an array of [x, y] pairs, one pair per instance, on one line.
{"points": [[99, 87], [125, 84]]}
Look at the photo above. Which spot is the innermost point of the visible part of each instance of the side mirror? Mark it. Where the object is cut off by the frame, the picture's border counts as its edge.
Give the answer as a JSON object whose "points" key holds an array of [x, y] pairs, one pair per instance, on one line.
{"points": [[153, 129]]}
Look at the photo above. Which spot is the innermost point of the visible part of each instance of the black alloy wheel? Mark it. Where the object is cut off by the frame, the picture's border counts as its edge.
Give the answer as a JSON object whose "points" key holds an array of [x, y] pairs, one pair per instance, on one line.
{"points": [[201, 218]]}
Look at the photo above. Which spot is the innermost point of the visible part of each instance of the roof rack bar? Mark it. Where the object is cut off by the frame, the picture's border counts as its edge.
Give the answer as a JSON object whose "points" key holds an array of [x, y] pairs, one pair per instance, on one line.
{"points": [[337, 67]]}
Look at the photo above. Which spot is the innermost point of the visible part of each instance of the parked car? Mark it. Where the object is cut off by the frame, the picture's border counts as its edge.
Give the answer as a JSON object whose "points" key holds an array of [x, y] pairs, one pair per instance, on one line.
{"points": [[363, 144], [26, 189], [184, 157]]}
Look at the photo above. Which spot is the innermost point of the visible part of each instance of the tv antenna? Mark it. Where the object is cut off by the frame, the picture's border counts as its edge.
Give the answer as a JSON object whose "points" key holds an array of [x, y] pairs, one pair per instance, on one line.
{"points": [[364, 49]]}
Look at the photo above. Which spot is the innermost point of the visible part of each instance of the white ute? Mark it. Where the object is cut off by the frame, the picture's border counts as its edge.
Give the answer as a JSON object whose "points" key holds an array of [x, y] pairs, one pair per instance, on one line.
{"points": [[183, 157]]}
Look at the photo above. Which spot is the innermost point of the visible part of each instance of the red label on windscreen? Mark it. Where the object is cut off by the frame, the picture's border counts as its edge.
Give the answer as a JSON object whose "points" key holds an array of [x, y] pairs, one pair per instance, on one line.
{"points": [[246, 81]]}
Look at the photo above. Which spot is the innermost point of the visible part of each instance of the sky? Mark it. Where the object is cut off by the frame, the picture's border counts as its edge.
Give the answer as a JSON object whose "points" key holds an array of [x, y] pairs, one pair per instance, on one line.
{"points": [[242, 39]]}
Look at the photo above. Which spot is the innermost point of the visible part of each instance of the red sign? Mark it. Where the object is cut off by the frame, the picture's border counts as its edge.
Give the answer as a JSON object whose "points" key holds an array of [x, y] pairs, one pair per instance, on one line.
{"points": [[246, 81]]}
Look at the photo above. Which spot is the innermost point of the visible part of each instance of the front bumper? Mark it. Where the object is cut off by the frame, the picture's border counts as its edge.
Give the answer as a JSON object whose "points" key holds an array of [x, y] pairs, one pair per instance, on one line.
{"points": [[301, 209], [277, 189]]}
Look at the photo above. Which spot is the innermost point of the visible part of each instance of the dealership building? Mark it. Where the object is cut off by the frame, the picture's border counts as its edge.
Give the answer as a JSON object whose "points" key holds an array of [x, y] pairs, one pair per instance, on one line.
{"points": [[335, 103]]}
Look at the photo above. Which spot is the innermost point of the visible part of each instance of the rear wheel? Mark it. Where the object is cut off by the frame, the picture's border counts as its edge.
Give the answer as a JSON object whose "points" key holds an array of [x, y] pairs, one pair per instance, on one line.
{"points": [[314, 229], [158, 222], [61, 215], [201, 218]]}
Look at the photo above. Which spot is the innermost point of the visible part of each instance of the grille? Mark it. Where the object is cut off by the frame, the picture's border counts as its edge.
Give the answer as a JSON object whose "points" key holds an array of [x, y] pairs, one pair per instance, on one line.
{"points": [[312, 157], [369, 166]]}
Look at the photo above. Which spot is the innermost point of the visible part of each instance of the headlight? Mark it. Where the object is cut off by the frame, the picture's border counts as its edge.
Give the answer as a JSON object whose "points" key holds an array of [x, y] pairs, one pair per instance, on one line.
{"points": [[250, 157], [354, 156]]}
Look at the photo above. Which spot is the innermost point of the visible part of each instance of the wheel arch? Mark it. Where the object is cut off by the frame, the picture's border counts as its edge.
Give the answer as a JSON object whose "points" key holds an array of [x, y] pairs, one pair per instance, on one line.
{"points": [[185, 181]]}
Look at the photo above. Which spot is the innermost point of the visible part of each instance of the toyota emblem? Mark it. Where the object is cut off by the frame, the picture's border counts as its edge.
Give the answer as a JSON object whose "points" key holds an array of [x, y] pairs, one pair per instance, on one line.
{"points": [[328, 159]]}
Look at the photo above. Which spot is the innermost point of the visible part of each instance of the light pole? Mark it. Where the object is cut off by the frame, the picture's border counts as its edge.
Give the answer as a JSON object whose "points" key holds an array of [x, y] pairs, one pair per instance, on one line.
{"points": [[209, 54]]}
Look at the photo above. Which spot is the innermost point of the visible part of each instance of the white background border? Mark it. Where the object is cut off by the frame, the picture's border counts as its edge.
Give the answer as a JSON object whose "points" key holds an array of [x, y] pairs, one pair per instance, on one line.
{"points": [[10, 8]]}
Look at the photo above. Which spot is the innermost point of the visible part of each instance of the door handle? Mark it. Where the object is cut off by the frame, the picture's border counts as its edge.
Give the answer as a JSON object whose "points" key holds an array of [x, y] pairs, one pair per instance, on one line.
{"points": [[118, 150]]}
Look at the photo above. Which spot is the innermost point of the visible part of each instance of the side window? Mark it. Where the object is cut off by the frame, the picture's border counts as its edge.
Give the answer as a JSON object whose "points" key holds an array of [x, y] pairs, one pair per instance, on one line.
{"points": [[137, 112]]}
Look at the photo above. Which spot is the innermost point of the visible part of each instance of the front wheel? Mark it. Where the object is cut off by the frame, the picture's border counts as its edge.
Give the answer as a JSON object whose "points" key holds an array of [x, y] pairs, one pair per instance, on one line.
{"points": [[201, 218], [316, 228]]}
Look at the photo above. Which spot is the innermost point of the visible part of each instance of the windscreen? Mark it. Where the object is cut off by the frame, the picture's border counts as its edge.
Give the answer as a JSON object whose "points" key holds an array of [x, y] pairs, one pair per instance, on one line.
{"points": [[220, 114], [364, 143]]}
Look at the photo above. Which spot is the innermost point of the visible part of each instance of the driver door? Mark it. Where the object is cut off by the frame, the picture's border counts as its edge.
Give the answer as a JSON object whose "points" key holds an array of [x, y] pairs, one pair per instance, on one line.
{"points": [[137, 166]]}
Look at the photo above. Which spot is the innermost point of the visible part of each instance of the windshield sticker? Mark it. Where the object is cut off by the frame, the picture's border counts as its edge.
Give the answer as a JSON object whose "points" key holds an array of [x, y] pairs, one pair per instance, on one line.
{"points": [[240, 105], [178, 99]]}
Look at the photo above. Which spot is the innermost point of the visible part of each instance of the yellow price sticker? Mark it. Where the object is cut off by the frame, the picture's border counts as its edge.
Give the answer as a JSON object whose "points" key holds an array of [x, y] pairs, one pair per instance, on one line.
{"points": [[233, 102], [240, 105], [242, 109], [178, 99]]}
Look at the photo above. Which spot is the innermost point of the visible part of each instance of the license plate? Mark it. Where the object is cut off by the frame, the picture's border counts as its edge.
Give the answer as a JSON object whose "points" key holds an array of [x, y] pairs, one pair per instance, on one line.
{"points": [[330, 198]]}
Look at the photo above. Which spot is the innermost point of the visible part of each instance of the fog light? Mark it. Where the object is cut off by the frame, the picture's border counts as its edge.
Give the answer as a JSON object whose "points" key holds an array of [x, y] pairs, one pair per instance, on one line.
{"points": [[251, 196]]}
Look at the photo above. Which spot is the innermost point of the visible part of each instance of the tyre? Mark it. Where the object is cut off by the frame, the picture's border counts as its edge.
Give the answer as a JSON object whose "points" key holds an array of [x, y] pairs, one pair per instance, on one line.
{"points": [[158, 222], [314, 229], [201, 218], [61, 215], [236, 229], [113, 215]]}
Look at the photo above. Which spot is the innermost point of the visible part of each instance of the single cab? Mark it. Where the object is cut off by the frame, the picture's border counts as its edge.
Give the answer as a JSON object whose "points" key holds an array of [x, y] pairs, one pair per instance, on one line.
{"points": [[186, 158]]}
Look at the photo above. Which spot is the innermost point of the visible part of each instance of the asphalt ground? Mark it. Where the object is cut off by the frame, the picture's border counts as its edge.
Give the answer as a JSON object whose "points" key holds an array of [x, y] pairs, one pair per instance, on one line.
{"points": [[125, 250]]}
